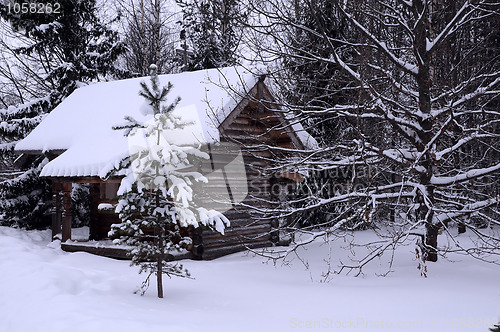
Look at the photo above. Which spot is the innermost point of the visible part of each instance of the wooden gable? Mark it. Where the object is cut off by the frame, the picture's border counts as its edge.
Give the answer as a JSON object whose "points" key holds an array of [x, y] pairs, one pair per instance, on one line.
{"points": [[257, 120]]}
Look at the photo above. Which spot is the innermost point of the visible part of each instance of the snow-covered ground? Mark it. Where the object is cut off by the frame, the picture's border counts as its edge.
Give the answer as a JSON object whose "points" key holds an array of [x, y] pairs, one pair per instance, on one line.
{"points": [[45, 289]]}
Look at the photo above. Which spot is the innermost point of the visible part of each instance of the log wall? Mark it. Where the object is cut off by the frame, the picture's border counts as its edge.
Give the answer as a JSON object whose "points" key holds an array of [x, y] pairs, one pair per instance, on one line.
{"points": [[249, 132]]}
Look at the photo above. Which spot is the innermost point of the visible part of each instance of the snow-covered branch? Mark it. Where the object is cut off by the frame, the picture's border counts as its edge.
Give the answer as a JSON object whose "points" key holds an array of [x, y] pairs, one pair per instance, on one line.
{"points": [[467, 176], [451, 27], [466, 209], [382, 46]]}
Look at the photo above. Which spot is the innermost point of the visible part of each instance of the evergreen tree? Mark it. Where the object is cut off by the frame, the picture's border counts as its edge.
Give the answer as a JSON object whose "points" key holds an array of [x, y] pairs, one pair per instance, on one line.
{"points": [[80, 204], [156, 200], [25, 200], [73, 45], [64, 50], [213, 29]]}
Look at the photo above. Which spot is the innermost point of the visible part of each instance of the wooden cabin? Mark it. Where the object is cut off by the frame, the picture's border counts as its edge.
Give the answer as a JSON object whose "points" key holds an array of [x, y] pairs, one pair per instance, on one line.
{"points": [[238, 122]]}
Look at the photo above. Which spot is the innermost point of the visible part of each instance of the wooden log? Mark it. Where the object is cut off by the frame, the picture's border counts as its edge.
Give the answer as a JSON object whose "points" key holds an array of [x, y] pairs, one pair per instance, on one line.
{"points": [[220, 243], [236, 223], [241, 230], [212, 253], [235, 238]]}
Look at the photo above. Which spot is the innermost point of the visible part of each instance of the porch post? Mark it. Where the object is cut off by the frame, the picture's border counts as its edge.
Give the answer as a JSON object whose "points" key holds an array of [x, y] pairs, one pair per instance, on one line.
{"points": [[94, 212], [56, 208], [66, 214]]}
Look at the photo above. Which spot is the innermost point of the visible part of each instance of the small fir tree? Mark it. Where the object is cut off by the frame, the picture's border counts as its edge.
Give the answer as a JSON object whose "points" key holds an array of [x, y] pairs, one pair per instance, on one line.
{"points": [[155, 200], [80, 204]]}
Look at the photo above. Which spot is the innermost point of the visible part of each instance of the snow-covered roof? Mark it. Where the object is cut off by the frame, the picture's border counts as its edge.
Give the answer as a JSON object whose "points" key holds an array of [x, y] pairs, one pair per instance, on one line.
{"points": [[81, 125]]}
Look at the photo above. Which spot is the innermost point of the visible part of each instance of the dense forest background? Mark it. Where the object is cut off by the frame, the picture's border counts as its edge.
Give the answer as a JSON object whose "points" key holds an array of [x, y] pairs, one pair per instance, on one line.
{"points": [[402, 97]]}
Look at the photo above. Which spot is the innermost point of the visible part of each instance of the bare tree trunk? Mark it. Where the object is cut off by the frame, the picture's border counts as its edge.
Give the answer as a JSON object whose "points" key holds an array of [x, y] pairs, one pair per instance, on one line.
{"points": [[431, 240], [159, 261], [423, 80], [157, 37], [143, 34]]}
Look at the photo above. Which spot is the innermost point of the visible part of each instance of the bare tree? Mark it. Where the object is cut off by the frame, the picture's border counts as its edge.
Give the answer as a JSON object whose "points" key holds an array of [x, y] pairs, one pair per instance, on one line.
{"points": [[151, 34], [22, 76], [420, 87]]}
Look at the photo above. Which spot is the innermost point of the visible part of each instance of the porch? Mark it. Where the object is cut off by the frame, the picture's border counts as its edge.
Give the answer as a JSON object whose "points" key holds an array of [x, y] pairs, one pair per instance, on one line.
{"points": [[80, 242]]}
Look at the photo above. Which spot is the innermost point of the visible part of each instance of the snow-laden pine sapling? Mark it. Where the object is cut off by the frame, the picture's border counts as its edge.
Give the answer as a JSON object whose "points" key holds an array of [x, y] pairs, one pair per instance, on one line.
{"points": [[155, 198]]}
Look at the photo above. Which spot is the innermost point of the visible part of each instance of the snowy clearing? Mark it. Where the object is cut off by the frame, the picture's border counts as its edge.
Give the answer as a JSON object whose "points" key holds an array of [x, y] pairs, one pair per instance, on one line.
{"points": [[46, 289]]}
